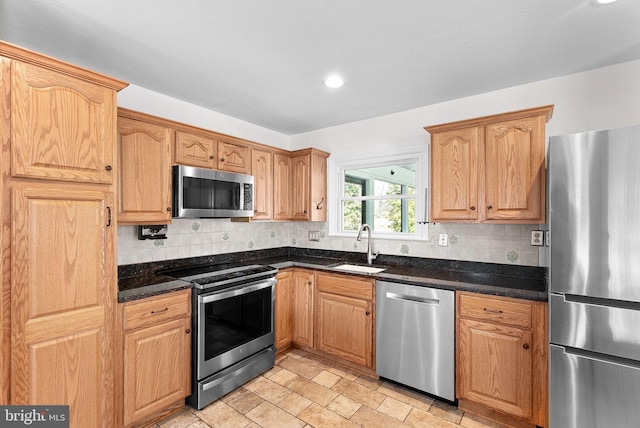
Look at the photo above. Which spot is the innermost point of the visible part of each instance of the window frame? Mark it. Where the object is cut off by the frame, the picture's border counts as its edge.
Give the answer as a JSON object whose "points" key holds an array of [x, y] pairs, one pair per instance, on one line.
{"points": [[336, 169]]}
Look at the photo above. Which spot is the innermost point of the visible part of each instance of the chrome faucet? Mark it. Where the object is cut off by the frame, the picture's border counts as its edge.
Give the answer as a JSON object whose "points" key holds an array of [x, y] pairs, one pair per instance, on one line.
{"points": [[370, 256]]}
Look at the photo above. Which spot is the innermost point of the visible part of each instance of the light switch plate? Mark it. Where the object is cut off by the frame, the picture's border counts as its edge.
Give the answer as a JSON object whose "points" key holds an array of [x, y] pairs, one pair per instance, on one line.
{"points": [[537, 238]]}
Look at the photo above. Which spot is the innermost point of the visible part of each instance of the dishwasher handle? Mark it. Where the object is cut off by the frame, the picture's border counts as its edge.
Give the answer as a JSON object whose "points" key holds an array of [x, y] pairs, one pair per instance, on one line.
{"points": [[416, 299]]}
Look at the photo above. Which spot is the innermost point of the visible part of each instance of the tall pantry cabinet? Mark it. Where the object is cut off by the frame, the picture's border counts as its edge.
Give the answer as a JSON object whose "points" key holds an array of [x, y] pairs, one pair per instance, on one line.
{"points": [[58, 236]]}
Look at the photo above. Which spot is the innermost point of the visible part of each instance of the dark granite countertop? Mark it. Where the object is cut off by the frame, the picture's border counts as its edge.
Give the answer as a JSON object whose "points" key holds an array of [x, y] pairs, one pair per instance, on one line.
{"points": [[524, 282]]}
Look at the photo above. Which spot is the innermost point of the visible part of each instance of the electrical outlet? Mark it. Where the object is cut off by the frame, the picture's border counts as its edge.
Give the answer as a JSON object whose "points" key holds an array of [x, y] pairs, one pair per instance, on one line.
{"points": [[314, 235], [537, 238], [443, 240]]}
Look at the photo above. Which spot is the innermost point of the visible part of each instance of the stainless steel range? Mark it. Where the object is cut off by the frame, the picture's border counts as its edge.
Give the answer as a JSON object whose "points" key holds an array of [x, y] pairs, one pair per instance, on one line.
{"points": [[233, 322]]}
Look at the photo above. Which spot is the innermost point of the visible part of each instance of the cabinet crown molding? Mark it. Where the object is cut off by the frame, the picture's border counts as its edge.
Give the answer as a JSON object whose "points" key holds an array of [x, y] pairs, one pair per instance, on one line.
{"points": [[546, 111]]}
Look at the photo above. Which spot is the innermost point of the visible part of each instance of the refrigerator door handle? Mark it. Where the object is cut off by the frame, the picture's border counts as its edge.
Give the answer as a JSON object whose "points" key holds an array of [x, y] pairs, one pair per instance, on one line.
{"points": [[601, 358]]}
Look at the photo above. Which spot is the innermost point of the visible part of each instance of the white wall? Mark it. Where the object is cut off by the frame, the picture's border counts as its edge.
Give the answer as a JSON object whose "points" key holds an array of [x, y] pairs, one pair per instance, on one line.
{"points": [[600, 99]]}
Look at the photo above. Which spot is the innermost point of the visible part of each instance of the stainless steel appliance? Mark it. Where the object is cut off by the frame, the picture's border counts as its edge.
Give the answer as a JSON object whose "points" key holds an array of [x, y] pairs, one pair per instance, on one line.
{"points": [[233, 324], [202, 193], [594, 302], [415, 337]]}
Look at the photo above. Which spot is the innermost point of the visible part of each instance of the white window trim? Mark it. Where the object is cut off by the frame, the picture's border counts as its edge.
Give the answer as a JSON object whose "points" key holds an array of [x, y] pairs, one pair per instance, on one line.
{"points": [[335, 190]]}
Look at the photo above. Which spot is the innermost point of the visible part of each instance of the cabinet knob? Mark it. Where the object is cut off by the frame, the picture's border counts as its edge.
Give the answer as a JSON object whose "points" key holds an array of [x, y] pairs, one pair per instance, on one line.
{"points": [[108, 167], [212, 157], [366, 313], [168, 208], [473, 208], [308, 282], [188, 331], [222, 159], [490, 207], [525, 346]]}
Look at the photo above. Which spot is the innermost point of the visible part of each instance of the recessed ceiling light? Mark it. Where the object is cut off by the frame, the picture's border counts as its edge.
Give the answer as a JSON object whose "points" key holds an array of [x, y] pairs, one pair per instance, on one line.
{"points": [[334, 81]]}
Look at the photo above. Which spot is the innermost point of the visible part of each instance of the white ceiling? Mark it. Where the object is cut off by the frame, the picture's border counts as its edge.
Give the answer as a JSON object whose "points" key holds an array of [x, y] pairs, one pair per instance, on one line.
{"points": [[264, 61]]}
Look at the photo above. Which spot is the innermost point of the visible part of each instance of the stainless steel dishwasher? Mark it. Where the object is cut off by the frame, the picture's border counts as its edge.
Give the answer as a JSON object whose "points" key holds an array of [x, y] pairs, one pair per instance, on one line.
{"points": [[415, 337]]}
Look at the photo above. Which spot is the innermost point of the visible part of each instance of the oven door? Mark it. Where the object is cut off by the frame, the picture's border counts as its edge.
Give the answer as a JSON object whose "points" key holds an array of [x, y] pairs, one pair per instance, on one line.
{"points": [[233, 324]]}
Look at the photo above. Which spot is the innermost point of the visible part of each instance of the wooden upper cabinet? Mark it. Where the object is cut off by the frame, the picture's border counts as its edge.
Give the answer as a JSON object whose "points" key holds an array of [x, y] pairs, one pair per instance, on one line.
{"points": [[300, 187], [515, 165], [62, 127], [196, 150], [454, 174], [145, 172], [309, 185], [281, 187], [490, 169], [262, 171], [233, 157]]}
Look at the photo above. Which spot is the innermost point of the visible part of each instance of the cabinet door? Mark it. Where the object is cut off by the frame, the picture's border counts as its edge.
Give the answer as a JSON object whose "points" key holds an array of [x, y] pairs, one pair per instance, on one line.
{"points": [[283, 310], [156, 368], [62, 128], [63, 295], [300, 186], [344, 327], [303, 286], [318, 188], [233, 157], [455, 162], [195, 150], [145, 172], [281, 187], [262, 171], [495, 367], [515, 175]]}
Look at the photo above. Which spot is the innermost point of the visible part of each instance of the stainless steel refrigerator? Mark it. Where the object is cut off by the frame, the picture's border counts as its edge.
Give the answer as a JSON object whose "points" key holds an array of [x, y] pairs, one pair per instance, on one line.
{"points": [[594, 301]]}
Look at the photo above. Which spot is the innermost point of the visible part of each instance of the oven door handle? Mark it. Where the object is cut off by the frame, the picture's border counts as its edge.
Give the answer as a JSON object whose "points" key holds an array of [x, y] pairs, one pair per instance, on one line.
{"points": [[244, 289]]}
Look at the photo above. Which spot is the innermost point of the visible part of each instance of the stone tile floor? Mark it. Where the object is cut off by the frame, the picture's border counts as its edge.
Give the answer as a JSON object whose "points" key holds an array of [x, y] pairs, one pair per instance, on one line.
{"points": [[303, 390]]}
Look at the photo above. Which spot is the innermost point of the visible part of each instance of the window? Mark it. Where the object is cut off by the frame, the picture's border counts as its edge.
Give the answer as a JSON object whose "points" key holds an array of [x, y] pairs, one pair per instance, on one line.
{"points": [[382, 193]]}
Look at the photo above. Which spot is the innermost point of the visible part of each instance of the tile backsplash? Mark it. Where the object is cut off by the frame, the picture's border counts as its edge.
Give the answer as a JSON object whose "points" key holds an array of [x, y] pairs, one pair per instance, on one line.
{"points": [[509, 244]]}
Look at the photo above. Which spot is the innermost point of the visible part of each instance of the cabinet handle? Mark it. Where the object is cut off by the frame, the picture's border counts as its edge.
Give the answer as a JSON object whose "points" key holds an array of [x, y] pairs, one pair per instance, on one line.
{"points": [[490, 207], [108, 216], [188, 331], [525, 346], [493, 311], [473, 208], [319, 204], [108, 167], [159, 312]]}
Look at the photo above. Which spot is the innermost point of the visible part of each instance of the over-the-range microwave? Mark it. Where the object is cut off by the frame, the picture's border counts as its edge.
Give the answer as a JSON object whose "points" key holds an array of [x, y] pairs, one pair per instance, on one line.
{"points": [[206, 193]]}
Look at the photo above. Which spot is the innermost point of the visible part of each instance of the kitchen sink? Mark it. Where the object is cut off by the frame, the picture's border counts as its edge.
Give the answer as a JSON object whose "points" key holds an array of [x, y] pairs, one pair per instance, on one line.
{"points": [[359, 268]]}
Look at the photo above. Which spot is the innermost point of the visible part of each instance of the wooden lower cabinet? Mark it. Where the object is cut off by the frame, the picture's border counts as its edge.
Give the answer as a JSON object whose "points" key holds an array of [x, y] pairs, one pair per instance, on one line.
{"points": [[332, 314], [303, 298], [501, 358], [344, 317], [283, 310], [157, 356]]}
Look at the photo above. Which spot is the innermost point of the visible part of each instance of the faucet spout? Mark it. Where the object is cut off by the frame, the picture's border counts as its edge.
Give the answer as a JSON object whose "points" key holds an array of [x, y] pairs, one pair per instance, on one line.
{"points": [[370, 255]]}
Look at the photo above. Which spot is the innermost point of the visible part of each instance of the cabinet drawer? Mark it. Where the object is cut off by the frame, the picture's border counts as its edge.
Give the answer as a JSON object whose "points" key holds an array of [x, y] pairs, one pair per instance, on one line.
{"points": [[495, 309], [157, 309], [345, 285]]}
